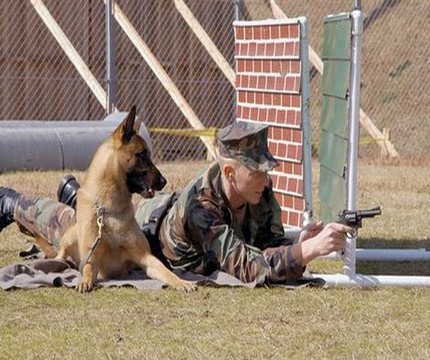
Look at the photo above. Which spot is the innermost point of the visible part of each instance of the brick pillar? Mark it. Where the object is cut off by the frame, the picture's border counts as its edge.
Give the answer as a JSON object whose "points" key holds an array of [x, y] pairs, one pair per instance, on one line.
{"points": [[268, 83]]}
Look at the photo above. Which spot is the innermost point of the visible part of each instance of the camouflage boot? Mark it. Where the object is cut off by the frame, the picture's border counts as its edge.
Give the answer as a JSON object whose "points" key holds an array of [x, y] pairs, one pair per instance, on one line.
{"points": [[67, 191], [8, 199]]}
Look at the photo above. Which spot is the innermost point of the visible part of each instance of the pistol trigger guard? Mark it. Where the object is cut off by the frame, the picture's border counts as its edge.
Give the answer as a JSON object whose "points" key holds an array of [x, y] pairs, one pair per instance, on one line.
{"points": [[353, 235]]}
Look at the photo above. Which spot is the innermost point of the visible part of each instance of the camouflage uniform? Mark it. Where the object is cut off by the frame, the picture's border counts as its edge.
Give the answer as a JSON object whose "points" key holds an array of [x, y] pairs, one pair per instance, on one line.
{"points": [[200, 233]]}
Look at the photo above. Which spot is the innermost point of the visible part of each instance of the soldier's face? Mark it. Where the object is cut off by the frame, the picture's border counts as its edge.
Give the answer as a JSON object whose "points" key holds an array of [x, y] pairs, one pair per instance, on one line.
{"points": [[250, 183]]}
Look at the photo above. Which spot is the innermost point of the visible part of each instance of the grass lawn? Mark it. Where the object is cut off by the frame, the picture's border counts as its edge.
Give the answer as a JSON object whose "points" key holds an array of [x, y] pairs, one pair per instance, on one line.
{"points": [[235, 323]]}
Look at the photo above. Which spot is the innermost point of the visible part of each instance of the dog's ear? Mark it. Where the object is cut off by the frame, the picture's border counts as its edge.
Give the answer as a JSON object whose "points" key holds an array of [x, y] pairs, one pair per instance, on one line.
{"points": [[125, 130], [137, 124]]}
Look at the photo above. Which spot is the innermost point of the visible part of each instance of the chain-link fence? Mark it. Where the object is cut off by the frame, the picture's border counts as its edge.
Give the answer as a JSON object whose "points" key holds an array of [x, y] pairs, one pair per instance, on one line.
{"points": [[44, 44]]}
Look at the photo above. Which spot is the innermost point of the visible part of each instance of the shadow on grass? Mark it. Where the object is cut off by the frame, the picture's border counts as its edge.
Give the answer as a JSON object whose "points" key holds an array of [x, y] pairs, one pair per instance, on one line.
{"points": [[411, 268]]}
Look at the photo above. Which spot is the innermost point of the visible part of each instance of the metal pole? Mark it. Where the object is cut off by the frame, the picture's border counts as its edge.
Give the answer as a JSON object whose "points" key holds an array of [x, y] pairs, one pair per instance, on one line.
{"points": [[353, 136], [110, 58], [238, 9], [357, 4], [306, 123]]}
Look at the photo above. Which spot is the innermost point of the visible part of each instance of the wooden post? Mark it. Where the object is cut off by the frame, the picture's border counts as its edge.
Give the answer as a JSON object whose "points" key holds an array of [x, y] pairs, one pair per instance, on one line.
{"points": [[161, 74], [206, 41], [71, 52], [386, 146]]}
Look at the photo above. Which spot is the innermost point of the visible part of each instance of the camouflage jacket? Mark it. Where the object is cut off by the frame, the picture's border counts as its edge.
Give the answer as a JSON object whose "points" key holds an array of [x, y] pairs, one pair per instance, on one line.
{"points": [[201, 234]]}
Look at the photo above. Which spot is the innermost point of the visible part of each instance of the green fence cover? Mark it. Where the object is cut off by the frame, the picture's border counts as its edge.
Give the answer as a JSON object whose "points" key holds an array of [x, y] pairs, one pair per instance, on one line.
{"points": [[336, 54]]}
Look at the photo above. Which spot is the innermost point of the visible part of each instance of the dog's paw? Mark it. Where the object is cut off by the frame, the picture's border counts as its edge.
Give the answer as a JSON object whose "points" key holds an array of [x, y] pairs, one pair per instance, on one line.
{"points": [[84, 287], [186, 286]]}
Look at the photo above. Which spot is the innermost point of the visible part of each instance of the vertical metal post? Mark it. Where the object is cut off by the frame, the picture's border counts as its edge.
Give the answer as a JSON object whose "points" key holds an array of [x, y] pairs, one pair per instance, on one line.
{"points": [[238, 9], [110, 58], [354, 128], [357, 4], [306, 122]]}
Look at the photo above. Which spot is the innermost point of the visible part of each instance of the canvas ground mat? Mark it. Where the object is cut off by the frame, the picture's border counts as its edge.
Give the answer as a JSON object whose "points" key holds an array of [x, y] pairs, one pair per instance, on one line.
{"points": [[41, 272]]}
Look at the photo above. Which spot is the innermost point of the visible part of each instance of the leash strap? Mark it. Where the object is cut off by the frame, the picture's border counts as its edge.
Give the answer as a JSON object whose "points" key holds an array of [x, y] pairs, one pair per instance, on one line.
{"points": [[100, 212]]}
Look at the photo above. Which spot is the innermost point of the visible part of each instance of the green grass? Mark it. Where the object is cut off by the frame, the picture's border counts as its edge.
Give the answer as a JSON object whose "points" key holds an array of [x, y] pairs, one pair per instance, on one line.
{"points": [[234, 323]]}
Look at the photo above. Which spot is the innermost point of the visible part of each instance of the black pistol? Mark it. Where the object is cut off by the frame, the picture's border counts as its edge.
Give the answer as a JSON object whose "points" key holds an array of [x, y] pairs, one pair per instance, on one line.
{"points": [[354, 218]]}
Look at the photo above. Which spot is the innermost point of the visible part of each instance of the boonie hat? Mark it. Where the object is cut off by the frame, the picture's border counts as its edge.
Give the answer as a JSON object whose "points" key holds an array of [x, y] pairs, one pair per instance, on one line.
{"points": [[246, 142]]}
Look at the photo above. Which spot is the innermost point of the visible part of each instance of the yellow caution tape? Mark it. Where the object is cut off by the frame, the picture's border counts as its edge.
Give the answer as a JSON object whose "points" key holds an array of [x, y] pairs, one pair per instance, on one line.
{"points": [[211, 131]]}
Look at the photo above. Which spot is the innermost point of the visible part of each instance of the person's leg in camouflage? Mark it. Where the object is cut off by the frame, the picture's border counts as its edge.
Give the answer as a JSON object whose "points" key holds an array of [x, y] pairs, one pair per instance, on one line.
{"points": [[35, 215]]}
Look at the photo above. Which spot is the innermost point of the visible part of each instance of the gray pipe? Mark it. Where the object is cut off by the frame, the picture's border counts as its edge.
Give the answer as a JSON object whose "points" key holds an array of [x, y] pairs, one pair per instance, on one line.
{"points": [[55, 145]]}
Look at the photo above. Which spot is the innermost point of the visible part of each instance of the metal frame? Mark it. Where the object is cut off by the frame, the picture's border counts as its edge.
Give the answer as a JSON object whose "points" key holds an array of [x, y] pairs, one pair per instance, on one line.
{"points": [[350, 278]]}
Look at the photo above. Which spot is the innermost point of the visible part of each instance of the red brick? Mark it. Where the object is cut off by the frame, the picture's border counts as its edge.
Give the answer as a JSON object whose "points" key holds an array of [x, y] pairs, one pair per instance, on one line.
{"points": [[263, 114], [237, 49], [253, 81], [282, 116], [279, 83], [288, 201], [279, 49], [297, 49], [271, 115], [270, 49], [265, 32], [245, 113], [277, 99], [268, 99], [275, 32], [272, 148], [297, 169], [295, 66], [294, 31], [248, 65], [258, 65], [276, 133], [254, 113], [257, 32], [238, 80], [293, 219], [239, 110], [297, 136], [289, 49], [284, 31], [267, 66], [295, 101], [244, 49], [298, 120], [300, 152], [290, 83], [248, 33], [282, 150], [287, 168], [259, 98], [241, 96], [291, 117], [245, 81], [271, 82], [276, 66], [292, 186], [252, 50], [300, 187], [250, 97], [240, 33], [285, 100], [261, 82], [299, 204], [261, 49], [282, 182], [292, 152]]}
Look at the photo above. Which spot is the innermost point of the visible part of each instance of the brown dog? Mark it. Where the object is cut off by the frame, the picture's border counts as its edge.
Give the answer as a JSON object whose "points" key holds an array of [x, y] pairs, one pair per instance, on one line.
{"points": [[106, 238]]}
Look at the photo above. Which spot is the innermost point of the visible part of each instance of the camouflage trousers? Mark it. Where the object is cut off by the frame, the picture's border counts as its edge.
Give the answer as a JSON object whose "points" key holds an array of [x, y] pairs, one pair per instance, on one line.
{"points": [[49, 219]]}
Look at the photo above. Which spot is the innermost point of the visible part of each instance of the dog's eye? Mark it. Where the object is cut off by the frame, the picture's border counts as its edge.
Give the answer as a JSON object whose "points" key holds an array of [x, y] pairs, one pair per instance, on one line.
{"points": [[143, 154]]}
